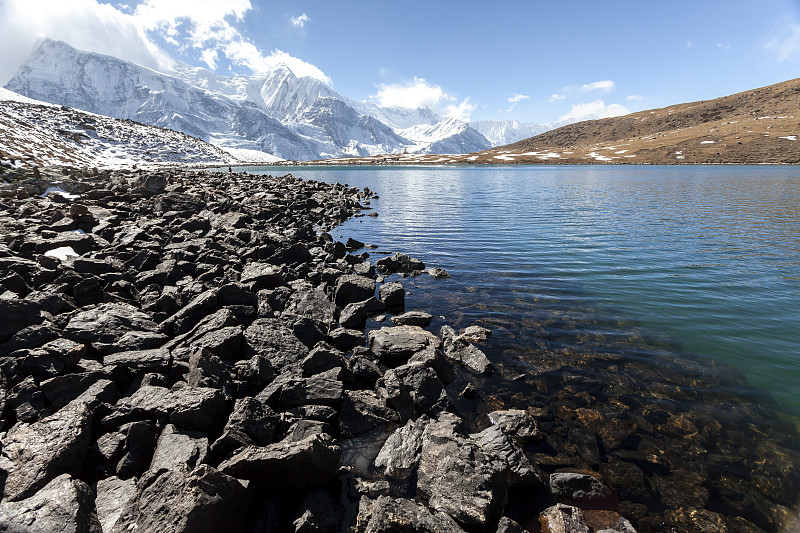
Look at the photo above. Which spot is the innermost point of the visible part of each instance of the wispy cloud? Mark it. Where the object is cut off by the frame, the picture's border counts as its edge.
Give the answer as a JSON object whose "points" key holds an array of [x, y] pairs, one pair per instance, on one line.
{"points": [[724, 47], [594, 110], [785, 44], [514, 99], [605, 85], [635, 98], [208, 29], [299, 21], [689, 44], [556, 97], [421, 93]]}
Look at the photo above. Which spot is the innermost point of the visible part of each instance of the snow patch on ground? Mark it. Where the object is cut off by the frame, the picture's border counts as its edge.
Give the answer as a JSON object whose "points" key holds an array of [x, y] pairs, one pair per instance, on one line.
{"points": [[789, 137], [61, 253], [61, 192], [708, 142], [247, 155]]}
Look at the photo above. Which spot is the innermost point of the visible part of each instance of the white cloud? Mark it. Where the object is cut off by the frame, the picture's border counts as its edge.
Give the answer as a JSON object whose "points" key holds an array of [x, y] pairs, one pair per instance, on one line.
{"points": [[299, 22], [516, 97], [635, 98], [786, 43], [724, 47], [689, 44], [556, 97], [420, 93], [210, 58], [594, 110], [206, 26], [605, 85]]}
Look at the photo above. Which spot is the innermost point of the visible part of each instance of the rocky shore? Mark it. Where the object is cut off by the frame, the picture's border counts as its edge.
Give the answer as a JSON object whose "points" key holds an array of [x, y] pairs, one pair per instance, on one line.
{"points": [[189, 351]]}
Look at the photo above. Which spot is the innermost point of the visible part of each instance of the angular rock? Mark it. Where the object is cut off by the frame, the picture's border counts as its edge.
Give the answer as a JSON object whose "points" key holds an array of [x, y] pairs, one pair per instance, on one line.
{"points": [[562, 518], [268, 337], [104, 324], [353, 288], [506, 525], [458, 349], [388, 514], [183, 500], [176, 447], [458, 478], [358, 453], [399, 456], [394, 346], [413, 318], [346, 339], [259, 276], [495, 442], [321, 358], [207, 370], [140, 361], [578, 487], [64, 505], [255, 419], [16, 315], [316, 390], [310, 315], [362, 411], [516, 423], [191, 408], [40, 451], [319, 512], [292, 466], [113, 496], [413, 389], [393, 295]]}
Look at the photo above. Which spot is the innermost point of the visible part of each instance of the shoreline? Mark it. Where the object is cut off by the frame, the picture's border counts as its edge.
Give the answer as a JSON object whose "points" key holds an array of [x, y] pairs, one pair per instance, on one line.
{"points": [[211, 349]]}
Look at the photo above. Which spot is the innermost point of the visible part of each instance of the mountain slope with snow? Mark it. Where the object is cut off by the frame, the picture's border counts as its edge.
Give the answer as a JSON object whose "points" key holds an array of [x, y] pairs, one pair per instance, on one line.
{"points": [[502, 132], [41, 134], [279, 113]]}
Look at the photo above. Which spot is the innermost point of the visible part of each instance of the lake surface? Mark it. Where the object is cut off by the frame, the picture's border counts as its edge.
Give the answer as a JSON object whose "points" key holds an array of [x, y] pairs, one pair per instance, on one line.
{"points": [[656, 304]]}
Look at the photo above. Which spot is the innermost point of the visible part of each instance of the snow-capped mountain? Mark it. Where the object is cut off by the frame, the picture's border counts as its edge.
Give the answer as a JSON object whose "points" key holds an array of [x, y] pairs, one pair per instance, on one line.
{"points": [[450, 136], [41, 134], [502, 132], [279, 113]]}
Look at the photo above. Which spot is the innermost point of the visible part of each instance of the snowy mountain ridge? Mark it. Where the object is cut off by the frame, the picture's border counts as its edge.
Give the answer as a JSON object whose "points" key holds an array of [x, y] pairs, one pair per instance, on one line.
{"points": [[278, 113], [42, 134]]}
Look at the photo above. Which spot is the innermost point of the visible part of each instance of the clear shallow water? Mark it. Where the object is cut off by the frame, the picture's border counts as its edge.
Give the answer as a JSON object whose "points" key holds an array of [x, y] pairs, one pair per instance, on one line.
{"points": [[654, 309], [707, 255]]}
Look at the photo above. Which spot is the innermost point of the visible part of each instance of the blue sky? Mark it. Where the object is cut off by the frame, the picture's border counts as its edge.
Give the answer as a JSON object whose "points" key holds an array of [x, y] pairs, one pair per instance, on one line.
{"points": [[530, 61]]}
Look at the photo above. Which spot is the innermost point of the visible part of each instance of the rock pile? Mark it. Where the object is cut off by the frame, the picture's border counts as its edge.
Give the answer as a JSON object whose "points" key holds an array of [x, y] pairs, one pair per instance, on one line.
{"points": [[186, 351]]}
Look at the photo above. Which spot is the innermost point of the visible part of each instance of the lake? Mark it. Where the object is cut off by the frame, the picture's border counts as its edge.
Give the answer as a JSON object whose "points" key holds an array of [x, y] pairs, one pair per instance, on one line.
{"points": [[643, 310]]}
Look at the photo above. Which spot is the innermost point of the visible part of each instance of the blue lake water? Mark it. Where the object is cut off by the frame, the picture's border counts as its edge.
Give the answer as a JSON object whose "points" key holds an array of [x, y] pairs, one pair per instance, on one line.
{"points": [[657, 290]]}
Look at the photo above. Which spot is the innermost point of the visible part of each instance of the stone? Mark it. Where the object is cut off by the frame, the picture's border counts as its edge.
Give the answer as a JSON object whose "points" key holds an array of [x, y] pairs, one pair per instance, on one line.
{"points": [[268, 337], [365, 370], [399, 456], [104, 324], [140, 361], [458, 349], [393, 295], [495, 442], [516, 423], [30, 337], [413, 318], [137, 449], [387, 514], [255, 419], [353, 244], [458, 478], [434, 358], [207, 370], [191, 408], [321, 358], [476, 334], [352, 288], [183, 500], [310, 315], [394, 346], [316, 390], [176, 447], [346, 339], [413, 389], [45, 449], [578, 487], [257, 276], [506, 525], [113, 496], [287, 466], [562, 518], [16, 315], [362, 411], [64, 505]]}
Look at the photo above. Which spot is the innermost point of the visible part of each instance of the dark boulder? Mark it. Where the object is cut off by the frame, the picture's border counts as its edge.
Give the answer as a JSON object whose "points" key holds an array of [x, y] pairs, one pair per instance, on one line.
{"points": [[362, 411], [353, 288], [16, 315], [394, 346]]}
